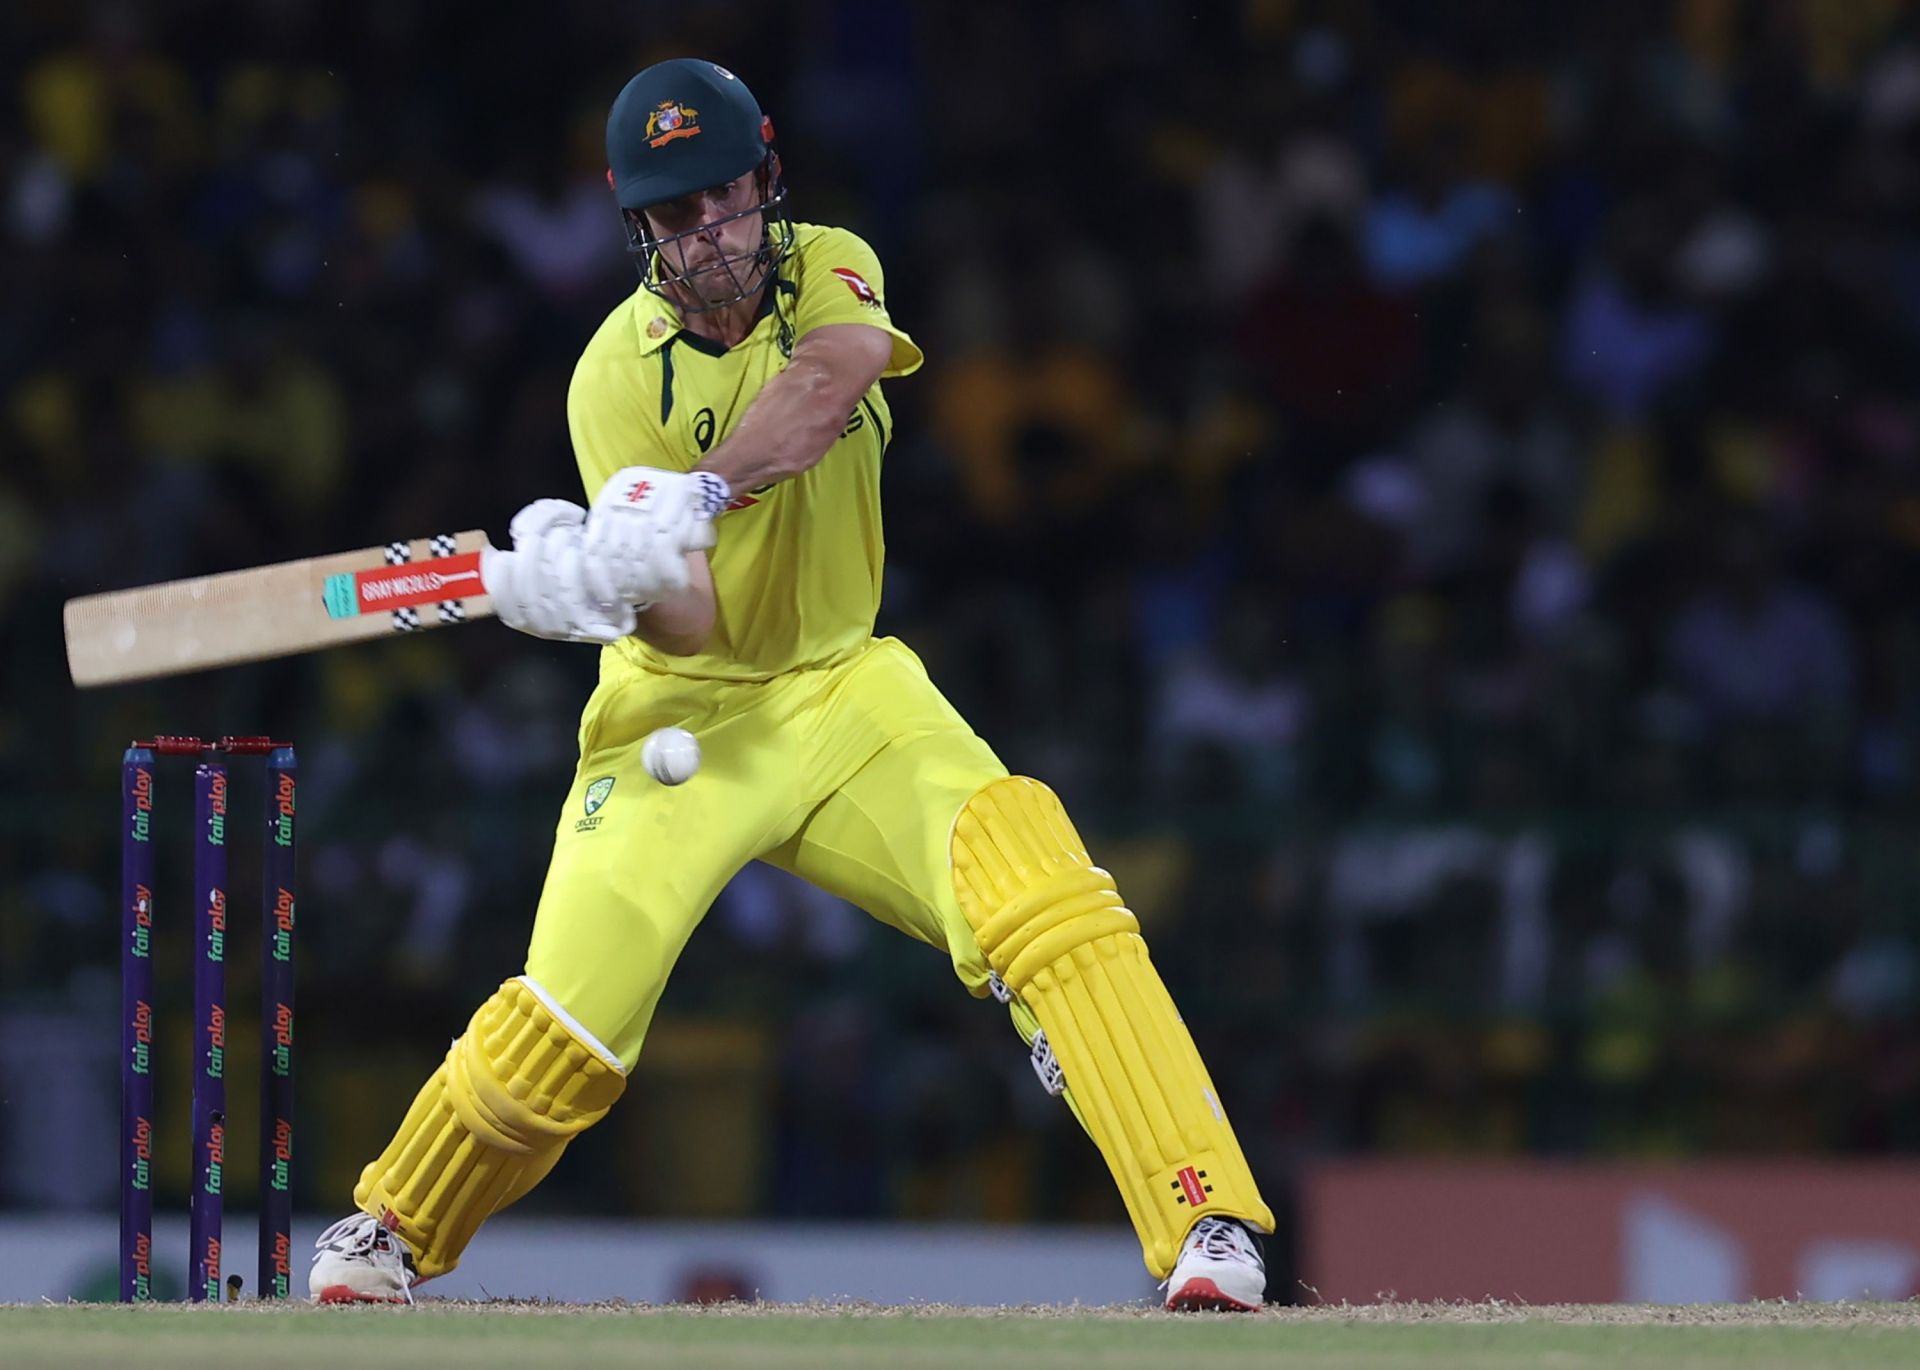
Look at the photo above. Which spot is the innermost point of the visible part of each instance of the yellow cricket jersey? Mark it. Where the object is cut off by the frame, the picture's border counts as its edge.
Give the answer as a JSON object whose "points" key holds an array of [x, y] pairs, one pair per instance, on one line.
{"points": [[796, 569]]}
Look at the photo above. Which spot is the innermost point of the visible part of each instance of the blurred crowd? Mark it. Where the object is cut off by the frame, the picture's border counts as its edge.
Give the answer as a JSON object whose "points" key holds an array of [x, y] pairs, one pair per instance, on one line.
{"points": [[1437, 487]]}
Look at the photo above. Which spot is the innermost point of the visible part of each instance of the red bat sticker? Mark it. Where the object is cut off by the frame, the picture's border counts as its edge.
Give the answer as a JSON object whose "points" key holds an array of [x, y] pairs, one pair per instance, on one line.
{"points": [[425, 582]]}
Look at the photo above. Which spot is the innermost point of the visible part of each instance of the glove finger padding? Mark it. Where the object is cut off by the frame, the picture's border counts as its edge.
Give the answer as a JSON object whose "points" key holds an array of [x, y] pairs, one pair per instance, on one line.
{"points": [[507, 577], [600, 582], [497, 577], [538, 588], [607, 624], [588, 616], [630, 563], [670, 566], [543, 516]]}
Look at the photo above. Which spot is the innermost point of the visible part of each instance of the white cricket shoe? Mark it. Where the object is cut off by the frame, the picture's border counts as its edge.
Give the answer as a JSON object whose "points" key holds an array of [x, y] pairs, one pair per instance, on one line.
{"points": [[1220, 1268], [357, 1260]]}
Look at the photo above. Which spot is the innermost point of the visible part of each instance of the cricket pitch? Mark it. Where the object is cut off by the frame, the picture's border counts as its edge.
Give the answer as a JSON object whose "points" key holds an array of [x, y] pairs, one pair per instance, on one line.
{"points": [[521, 1336]]}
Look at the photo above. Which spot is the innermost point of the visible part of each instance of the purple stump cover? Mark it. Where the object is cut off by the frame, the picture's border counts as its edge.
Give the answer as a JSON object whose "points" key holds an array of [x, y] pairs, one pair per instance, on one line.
{"points": [[276, 1032], [210, 1029], [136, 1026]]}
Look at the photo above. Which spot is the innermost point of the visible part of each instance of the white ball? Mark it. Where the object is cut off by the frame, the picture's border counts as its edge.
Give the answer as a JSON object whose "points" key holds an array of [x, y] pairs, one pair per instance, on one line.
{"points": [[670, 755]]}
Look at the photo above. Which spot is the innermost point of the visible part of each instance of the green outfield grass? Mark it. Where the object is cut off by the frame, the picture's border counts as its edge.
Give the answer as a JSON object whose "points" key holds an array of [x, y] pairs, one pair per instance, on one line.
{"points": [[553, 1337]]}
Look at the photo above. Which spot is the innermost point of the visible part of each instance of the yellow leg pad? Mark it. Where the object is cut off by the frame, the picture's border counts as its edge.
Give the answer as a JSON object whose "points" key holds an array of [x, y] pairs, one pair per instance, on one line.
{"points": [[515, 1088], [1051, 923]]}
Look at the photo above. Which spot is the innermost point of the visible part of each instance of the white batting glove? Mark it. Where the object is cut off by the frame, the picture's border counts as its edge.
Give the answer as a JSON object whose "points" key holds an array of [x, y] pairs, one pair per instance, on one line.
{"points": [[539, 587], [643, 524]]}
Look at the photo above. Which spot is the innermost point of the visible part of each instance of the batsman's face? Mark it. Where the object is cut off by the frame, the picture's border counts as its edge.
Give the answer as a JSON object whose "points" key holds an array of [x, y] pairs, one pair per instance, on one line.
{"points": [[712, 236]]}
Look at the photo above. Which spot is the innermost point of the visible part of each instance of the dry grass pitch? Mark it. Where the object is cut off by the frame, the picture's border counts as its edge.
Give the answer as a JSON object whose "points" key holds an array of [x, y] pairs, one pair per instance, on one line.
{"points": [[517, 1336]]}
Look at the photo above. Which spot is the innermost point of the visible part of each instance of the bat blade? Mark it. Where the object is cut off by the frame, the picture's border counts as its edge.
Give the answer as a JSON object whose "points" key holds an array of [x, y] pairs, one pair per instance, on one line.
{"points": [[274, 611]]}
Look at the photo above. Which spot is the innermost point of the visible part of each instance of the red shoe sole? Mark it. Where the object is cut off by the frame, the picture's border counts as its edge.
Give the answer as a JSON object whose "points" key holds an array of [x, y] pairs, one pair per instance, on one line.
{"points": [[1202, 1295], [340, 1293]]}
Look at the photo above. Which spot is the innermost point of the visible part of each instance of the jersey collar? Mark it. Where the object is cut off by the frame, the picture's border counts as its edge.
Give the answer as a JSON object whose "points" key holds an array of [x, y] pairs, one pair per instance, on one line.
{"points": [[654, 320], [657, 322]]}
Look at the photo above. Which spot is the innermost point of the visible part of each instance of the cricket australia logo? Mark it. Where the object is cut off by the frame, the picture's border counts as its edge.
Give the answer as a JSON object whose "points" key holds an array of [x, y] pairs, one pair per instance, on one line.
{"points": [[670, 120], [597, 794]]}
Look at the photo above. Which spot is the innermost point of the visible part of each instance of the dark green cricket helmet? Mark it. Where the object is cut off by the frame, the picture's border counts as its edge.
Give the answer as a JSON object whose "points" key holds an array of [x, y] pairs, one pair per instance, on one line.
{"points": [[682, 126]]}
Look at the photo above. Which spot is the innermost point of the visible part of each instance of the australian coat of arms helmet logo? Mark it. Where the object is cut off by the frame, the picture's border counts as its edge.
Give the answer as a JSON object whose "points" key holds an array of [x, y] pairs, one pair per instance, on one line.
{"points": [[669, 120], [597, 793]]}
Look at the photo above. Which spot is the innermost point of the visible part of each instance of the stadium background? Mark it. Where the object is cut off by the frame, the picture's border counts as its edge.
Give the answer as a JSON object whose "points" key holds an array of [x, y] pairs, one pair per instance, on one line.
{"points": [[1437, 488]]}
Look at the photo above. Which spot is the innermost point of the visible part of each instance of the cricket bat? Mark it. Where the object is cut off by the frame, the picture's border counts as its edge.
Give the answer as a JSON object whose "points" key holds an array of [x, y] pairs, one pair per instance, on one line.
{"points": [[275, 611]]}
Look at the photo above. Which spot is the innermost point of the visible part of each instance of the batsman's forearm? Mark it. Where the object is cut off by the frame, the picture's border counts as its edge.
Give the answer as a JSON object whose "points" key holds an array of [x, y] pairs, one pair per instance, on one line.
{"points": [[789, 426], [681, 621]]}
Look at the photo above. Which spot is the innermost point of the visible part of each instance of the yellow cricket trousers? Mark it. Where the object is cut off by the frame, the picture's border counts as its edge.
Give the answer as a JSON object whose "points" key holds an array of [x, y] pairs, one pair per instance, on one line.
{"points": [[849, 776]]}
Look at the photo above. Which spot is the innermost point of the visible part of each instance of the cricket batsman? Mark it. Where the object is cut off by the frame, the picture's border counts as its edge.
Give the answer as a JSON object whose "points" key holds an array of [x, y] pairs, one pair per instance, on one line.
{"points": [[743, 378]]}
